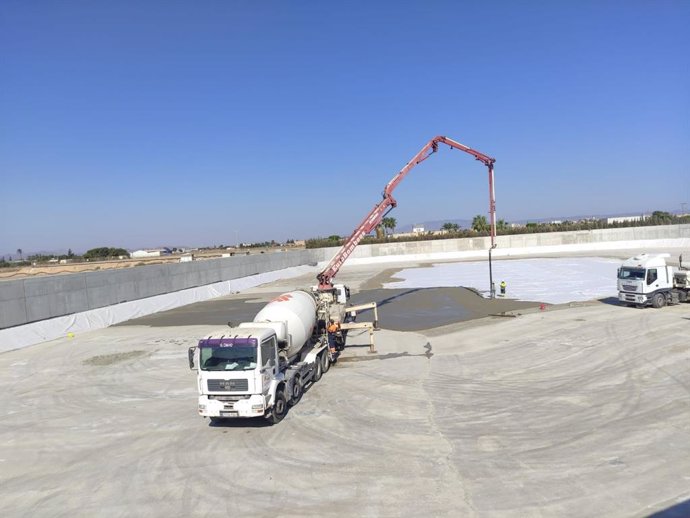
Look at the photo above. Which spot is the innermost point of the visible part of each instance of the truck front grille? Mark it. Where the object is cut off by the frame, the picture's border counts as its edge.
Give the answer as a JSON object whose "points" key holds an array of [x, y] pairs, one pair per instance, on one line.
{"points": [[629, 287], [227, 399], [237, 385]]}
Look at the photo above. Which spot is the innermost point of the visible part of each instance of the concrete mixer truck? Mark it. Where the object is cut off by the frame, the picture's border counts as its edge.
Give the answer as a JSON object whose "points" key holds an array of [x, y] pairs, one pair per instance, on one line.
{"points": [[260, 368]]}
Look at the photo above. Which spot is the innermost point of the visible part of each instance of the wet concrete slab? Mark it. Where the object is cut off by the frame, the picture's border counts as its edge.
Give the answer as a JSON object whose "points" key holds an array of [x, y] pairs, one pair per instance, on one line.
{"points": [[399, 309], [216, 312], [414, 309]]}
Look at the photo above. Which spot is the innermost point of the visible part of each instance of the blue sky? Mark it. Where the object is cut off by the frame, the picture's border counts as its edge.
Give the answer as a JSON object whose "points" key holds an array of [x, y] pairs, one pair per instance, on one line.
{"points": [[154, 123]]}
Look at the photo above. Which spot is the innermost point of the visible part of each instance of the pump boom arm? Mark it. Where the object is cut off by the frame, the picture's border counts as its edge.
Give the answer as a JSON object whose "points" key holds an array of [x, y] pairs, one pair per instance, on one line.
{"points": [[388, 203]]}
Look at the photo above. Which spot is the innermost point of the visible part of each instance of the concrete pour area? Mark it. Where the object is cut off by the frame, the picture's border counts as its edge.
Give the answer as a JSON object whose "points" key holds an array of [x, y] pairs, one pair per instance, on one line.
{"points": [[575, 410]]}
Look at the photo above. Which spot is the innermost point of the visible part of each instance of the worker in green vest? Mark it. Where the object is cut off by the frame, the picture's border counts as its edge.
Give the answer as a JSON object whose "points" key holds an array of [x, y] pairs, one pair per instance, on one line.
{"points": [[503, 288]]}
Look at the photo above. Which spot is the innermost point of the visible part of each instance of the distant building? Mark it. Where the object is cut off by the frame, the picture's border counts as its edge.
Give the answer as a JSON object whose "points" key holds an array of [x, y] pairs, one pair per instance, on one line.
{"points": [[626, 219], [156, 252], [418, 229]]}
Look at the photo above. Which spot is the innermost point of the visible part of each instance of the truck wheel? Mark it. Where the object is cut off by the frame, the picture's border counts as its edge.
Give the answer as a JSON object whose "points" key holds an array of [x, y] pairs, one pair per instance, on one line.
{"points": [[318, 369], [326, 361], [297, 391], [279, 408], [659, 301]]}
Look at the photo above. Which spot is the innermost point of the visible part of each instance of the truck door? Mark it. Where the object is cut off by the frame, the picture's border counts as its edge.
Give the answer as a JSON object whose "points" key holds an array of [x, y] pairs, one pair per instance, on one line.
{"points": [[652, 278], [269, 363]]}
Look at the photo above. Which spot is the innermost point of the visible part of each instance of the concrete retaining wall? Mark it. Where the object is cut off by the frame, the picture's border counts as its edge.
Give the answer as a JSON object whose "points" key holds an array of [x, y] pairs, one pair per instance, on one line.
{"points": [[521, 241], [29, 300]]}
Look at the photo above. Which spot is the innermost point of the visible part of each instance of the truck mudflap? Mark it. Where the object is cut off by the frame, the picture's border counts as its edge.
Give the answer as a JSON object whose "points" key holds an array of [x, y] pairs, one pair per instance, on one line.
{"points": [[252, 406]]}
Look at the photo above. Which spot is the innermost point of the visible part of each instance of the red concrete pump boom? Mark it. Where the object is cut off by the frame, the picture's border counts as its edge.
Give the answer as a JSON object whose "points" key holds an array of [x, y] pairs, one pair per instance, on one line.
{"points": [[388, 203]]}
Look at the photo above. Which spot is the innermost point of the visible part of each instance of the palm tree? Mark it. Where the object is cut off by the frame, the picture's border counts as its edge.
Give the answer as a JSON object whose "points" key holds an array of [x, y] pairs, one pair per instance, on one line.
{"points": [[479, 223], [20, 251], [501, 224], [389, 223]]}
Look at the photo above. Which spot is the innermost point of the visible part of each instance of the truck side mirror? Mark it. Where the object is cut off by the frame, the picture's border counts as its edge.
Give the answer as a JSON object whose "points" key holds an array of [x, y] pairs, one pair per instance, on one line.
{"points": [[190, 353]]}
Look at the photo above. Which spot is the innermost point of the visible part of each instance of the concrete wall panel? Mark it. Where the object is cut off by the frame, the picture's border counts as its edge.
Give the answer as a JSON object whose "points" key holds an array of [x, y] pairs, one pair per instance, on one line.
{"points": [[52, 296], [12, 303]]}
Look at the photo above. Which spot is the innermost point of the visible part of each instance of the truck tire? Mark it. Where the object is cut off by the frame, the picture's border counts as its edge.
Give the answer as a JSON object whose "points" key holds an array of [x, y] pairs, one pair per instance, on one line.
{"points": [[279, 409], [659, 300], [326, 361], [297, 391], [318, 369]]}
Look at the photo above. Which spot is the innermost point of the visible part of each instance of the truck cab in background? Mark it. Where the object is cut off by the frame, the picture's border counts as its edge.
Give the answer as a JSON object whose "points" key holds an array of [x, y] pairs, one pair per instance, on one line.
{"points": [[646, 279]]}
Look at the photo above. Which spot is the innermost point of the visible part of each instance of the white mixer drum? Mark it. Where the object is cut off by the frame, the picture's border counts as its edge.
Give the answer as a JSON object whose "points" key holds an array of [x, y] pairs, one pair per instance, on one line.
{"points": [[298, 310]]}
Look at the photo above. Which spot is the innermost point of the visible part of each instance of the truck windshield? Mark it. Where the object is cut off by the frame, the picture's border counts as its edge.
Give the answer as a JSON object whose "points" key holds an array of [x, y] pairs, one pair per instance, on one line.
{"points": [[227, 354], [631, 273]]}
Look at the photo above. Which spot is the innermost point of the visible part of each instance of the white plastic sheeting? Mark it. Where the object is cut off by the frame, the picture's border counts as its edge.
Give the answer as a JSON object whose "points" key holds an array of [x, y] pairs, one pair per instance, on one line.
{"points": [[554, 281], [37, 332]]}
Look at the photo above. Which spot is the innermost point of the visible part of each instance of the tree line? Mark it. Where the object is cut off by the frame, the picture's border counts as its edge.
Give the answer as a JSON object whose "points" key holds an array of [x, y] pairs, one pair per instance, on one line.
{"points": [[480, 227], [102, 253]]}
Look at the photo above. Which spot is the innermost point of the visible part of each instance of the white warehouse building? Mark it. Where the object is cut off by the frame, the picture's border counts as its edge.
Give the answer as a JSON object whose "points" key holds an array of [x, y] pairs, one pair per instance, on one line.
{"points": [[156, 252], [626, 219]]}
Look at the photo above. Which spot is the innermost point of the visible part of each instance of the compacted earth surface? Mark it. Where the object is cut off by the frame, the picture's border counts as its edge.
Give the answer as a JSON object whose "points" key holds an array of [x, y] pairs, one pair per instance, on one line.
{"points": [[470, 407]]}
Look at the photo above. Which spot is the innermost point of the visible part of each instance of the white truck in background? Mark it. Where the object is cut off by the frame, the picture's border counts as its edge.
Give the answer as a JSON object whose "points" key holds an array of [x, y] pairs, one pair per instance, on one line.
{"points": [[646, 279], [260, 368]]}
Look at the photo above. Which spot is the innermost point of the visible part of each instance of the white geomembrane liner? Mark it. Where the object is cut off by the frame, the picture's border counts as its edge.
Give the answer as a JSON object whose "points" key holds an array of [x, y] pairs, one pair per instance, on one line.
{"points": [[37, 332], [554, 281]]}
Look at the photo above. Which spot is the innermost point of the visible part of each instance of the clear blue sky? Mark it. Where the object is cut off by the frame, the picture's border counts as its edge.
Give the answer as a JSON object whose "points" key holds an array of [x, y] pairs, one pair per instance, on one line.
{"points": [[147, 123]]}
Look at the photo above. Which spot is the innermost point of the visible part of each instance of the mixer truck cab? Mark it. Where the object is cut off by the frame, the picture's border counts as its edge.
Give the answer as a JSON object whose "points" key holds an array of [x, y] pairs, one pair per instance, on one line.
{"points": [[259, 368]]}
